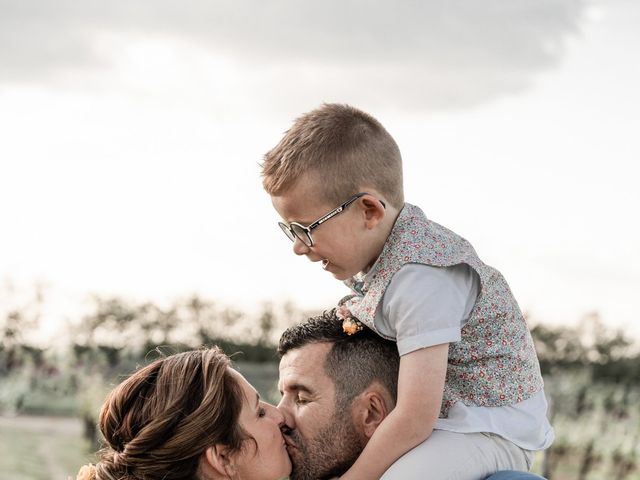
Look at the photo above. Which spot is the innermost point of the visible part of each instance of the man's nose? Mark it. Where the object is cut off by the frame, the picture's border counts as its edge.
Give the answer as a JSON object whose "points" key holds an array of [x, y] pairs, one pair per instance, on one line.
{"points": [[299, 247], [287, 417]]}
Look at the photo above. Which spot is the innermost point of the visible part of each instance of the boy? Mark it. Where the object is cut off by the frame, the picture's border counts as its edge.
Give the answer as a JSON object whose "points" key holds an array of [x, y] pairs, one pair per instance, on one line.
{"points": [[467, 359]]}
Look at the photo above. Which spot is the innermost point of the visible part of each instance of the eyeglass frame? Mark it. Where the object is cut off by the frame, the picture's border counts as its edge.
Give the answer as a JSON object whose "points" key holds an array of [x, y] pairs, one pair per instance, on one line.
{"points": [[292, 235]]}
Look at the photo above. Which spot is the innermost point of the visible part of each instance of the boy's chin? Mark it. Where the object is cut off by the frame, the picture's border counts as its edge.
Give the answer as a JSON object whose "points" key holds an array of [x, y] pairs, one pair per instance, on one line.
{"points": [[341, 275], [338, 273]]}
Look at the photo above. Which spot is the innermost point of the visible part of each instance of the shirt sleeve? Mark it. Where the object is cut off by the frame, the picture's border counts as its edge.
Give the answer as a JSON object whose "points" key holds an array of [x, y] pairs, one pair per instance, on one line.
{"points": [[425, 306]]}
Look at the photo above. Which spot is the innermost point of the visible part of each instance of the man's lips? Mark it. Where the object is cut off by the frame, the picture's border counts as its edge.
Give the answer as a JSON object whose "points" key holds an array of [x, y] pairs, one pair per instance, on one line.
{"points": [[289, 443]]}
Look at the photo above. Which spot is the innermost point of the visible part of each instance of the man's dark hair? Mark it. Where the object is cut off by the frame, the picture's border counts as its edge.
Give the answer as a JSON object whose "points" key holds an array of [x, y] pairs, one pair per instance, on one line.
{"points": [[354, 361]]}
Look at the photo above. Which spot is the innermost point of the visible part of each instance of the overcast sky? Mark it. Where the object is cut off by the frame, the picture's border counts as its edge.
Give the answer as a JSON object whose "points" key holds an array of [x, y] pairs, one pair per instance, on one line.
{"points": [[132, 133]]}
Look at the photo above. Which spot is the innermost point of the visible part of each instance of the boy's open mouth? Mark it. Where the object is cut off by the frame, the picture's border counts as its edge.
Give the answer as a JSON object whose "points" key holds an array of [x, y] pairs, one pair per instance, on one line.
{"points": [[325, 263]]}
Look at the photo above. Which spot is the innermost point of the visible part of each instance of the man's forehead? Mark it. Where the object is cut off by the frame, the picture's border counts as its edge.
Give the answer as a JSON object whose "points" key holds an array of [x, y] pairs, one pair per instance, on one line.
{"points": [[304, 366]]}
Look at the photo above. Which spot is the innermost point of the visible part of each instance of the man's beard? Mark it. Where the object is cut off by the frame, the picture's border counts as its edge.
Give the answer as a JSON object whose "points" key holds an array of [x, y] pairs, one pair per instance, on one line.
{"points": [[330, 454]]}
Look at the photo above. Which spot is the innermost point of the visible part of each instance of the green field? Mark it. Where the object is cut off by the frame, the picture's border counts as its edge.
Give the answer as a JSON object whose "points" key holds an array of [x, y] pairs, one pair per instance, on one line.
{"points": [[597, 431], [46, 448], [41, 448]]}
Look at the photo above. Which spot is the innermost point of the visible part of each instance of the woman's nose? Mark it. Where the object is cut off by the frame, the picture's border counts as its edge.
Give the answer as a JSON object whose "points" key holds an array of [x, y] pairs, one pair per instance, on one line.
{"points": [[276, 414]]}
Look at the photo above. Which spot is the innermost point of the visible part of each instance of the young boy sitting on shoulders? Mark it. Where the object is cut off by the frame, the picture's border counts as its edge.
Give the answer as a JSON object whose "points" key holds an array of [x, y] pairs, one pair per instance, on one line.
{"points": [[469, 376]]}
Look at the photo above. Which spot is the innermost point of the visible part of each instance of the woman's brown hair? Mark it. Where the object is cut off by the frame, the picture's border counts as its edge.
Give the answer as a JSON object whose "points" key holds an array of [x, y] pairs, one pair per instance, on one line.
{"points": [[158, 423]]}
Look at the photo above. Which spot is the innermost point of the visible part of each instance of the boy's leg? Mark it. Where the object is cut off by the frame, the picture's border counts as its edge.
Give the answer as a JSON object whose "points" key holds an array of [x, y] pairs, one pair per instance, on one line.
{"points": [[459, 456]]}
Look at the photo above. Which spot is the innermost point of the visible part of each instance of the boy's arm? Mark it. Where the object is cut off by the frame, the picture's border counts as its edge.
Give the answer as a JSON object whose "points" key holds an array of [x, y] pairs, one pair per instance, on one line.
{"points": [[420, 391]]}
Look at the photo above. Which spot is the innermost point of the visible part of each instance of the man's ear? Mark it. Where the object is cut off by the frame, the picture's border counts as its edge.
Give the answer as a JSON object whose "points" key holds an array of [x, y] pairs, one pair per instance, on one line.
{"points": [[370, 410], [217, 458]]}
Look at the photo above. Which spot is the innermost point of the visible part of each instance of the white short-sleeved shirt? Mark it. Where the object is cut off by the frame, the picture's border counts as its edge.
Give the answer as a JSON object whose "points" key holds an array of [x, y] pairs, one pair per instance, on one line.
{"points": [[425, 306]]}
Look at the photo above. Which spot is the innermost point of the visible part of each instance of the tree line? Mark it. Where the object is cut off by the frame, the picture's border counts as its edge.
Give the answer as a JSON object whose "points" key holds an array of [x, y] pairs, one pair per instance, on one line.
{"points": [[117, 332]]}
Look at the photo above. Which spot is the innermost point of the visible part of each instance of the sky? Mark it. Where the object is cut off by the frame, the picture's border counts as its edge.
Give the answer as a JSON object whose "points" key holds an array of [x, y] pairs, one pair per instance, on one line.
{"points": [[132, 133]]}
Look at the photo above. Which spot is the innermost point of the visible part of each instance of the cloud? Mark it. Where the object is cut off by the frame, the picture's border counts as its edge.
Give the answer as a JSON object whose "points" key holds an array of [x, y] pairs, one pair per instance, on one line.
{"points": [[432, 53]]}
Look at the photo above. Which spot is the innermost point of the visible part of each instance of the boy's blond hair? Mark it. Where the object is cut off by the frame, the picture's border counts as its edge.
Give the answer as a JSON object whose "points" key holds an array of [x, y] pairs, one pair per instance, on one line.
{"points": [[343, 148]]}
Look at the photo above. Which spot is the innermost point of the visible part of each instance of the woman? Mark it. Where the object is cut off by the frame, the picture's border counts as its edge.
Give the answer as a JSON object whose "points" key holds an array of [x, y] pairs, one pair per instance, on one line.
{"points": [[189, 416]]}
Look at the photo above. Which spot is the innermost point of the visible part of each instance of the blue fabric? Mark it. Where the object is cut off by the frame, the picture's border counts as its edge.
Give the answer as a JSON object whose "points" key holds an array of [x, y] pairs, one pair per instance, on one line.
{"points": [[513, 475]]}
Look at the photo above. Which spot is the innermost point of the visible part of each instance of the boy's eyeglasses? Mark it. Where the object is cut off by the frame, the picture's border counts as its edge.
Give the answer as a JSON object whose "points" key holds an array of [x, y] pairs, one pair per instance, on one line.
{"points": [[294, 230]]}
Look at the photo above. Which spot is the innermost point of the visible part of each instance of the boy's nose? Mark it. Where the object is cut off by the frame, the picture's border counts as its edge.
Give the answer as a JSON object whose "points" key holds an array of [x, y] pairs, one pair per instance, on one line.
{"points": [[299, 247]]}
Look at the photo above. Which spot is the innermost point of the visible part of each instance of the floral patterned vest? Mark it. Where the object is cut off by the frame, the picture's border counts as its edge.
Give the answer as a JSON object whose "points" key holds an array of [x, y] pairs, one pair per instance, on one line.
{"points": [[494, 363]]}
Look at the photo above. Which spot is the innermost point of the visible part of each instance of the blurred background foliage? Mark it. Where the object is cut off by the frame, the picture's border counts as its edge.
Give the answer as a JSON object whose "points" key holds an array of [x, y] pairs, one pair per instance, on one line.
{"points": [[592, 378]]}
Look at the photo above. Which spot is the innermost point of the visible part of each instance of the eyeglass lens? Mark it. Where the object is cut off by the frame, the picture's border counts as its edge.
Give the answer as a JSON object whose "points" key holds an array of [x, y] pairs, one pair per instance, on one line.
{"points": [[302, 234], [294, 231], [287, 231]]}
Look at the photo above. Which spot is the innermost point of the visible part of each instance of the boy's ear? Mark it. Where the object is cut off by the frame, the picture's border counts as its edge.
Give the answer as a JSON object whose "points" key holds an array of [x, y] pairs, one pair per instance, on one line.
{"points": [[218, 458], [373, 210]]}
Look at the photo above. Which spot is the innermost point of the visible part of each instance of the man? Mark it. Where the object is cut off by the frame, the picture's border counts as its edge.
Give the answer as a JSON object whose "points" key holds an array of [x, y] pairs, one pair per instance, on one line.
{"points": [[336, 389]]}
